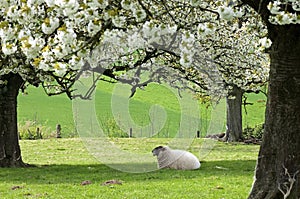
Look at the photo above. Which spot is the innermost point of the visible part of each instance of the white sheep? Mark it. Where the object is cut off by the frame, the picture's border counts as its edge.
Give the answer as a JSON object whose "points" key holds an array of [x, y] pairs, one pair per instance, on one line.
{"points": [[175, 159]]}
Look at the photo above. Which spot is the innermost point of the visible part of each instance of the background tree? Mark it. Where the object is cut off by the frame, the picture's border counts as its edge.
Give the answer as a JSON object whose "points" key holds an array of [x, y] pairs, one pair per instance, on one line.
{"points": [[218, 57], [278, 162]]}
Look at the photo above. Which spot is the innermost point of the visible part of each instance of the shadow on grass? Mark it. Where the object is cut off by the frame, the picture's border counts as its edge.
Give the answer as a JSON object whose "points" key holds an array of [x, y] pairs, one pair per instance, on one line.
{"points": [[75, 174]]}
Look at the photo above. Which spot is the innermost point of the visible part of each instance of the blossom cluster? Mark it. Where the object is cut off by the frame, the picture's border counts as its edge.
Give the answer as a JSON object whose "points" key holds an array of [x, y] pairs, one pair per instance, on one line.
{"points": [[215, 50], [48, 35], [281, 15], [195, 38]]}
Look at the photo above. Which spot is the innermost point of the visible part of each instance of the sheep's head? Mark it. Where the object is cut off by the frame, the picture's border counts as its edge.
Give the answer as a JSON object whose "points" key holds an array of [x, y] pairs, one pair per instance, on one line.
{"points": [[157, 150]]}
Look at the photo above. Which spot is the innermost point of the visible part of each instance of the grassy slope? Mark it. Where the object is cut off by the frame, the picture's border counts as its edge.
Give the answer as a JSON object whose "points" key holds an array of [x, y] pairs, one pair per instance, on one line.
{"points": [[49, 111], [64, 163]]}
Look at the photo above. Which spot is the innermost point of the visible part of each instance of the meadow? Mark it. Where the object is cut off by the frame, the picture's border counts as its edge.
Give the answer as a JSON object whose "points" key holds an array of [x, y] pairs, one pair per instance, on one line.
{"points": [[62, 166], [36, 109]]}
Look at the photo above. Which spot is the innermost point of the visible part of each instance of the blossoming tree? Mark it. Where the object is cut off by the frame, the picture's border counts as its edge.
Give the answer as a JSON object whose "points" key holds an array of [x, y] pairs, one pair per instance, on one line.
{"points": [[278, 162], [222, 58], [277, 171], [43, 43], [49, 43]]}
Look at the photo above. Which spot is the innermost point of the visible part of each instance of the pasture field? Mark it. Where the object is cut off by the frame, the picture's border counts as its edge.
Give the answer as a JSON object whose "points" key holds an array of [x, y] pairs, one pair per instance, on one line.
{"points": [[63, 164], [36, 109]]}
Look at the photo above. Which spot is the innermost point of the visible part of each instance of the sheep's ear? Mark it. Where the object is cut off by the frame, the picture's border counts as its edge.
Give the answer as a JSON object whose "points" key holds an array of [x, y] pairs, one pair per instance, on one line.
{"points": [[164, 148], [158, 148]]}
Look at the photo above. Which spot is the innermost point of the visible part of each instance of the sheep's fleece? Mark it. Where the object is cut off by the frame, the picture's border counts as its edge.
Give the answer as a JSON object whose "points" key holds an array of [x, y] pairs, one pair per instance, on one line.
{"points": [[175, 159]]}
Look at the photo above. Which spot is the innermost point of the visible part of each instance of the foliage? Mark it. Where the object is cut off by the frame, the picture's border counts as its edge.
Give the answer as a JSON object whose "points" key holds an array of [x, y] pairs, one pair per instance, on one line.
{"points": [[47, 42], [183, 40], [32, 130], [284, 12], [53, 42], [63, 164], [111, 128], [255, 132]]}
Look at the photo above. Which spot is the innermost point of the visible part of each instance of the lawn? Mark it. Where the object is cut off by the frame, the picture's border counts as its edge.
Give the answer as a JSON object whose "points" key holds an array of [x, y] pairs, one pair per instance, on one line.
{"points": [[63, 164], [46, 112]]}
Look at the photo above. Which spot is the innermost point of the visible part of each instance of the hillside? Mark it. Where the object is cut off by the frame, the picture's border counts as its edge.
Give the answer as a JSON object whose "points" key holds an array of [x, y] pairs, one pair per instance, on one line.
{"points": [[46, 111]]}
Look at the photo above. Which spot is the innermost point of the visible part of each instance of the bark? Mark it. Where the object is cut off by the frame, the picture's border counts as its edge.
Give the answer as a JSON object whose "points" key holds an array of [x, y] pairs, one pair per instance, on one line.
{"points": [[278, 165], [10, 153], [234, 115]]}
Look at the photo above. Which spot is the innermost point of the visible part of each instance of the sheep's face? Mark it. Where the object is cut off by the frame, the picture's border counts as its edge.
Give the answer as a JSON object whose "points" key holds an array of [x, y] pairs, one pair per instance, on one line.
{"points": [[157, 150]]}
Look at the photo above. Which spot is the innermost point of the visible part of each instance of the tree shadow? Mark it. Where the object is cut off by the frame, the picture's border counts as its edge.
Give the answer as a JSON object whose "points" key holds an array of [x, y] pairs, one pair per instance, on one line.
{"points": [[75, 174]]}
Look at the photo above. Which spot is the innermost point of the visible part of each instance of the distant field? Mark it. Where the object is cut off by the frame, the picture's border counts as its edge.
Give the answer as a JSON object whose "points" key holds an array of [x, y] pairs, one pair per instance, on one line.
{"points": [[50, 111]]}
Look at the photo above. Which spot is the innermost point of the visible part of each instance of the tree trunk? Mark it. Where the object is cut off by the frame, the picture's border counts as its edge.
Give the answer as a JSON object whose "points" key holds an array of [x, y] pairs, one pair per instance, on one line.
{"points": [[234, 115], [10, 153], [278, 166]]}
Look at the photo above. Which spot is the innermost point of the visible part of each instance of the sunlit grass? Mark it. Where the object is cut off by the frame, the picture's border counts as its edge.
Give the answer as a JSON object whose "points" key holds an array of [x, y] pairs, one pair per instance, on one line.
{"points": [[62, 164], [49, 111]]}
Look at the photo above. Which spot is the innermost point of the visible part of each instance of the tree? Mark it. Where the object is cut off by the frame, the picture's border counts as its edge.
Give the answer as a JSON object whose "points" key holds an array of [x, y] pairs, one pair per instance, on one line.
{"points": [[213, 51], [278, 161], [10, 152], [51, 43], [45, 43], [277, 171], [234, 127]]}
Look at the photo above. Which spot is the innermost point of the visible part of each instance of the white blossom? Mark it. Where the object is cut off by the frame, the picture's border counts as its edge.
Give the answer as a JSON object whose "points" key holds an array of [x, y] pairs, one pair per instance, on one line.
{"points": [[280, 15], [69, 7], [31, 46], [50, 25], [126, 4], [9, 48], [265, 43], [226, 13], [138, 12], [93, 27], [206, 28], [60, 68]]}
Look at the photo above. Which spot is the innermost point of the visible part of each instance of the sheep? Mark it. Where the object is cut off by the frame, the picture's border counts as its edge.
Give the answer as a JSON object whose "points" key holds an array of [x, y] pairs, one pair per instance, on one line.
{"points": [[175, 159]]}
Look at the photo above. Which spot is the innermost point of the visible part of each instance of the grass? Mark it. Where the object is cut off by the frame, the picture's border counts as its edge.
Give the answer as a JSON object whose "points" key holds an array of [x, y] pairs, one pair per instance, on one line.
{"points": [[50, 111], [62, 164]]}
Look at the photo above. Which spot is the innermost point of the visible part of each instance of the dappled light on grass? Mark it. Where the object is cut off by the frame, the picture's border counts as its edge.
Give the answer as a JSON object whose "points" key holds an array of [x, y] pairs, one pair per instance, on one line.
{"points": [[63, 164]]}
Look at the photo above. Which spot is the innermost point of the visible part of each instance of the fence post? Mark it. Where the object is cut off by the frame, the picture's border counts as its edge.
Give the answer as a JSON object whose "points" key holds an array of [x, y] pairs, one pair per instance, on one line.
{"points": [[130, 132], [198, 134], [58, 131], [38, 133]]}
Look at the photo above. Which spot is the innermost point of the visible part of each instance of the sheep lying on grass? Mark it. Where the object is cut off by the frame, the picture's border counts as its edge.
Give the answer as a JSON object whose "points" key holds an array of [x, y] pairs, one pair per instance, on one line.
{"points": [[175, 159]]}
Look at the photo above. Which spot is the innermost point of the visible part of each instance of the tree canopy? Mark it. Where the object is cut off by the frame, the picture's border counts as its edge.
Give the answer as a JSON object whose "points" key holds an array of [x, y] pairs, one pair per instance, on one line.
{"points": [[213, 44], [51, 42]]}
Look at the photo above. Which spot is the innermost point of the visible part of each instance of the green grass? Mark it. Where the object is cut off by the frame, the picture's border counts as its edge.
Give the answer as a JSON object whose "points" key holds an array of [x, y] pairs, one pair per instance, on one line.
{"points": [[50, 111], [62, 164]]}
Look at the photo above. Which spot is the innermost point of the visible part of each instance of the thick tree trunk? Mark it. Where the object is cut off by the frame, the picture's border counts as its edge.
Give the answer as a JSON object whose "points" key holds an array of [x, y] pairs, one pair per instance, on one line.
{"points": [[278, 165], [234, 115], [10, 153]]}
